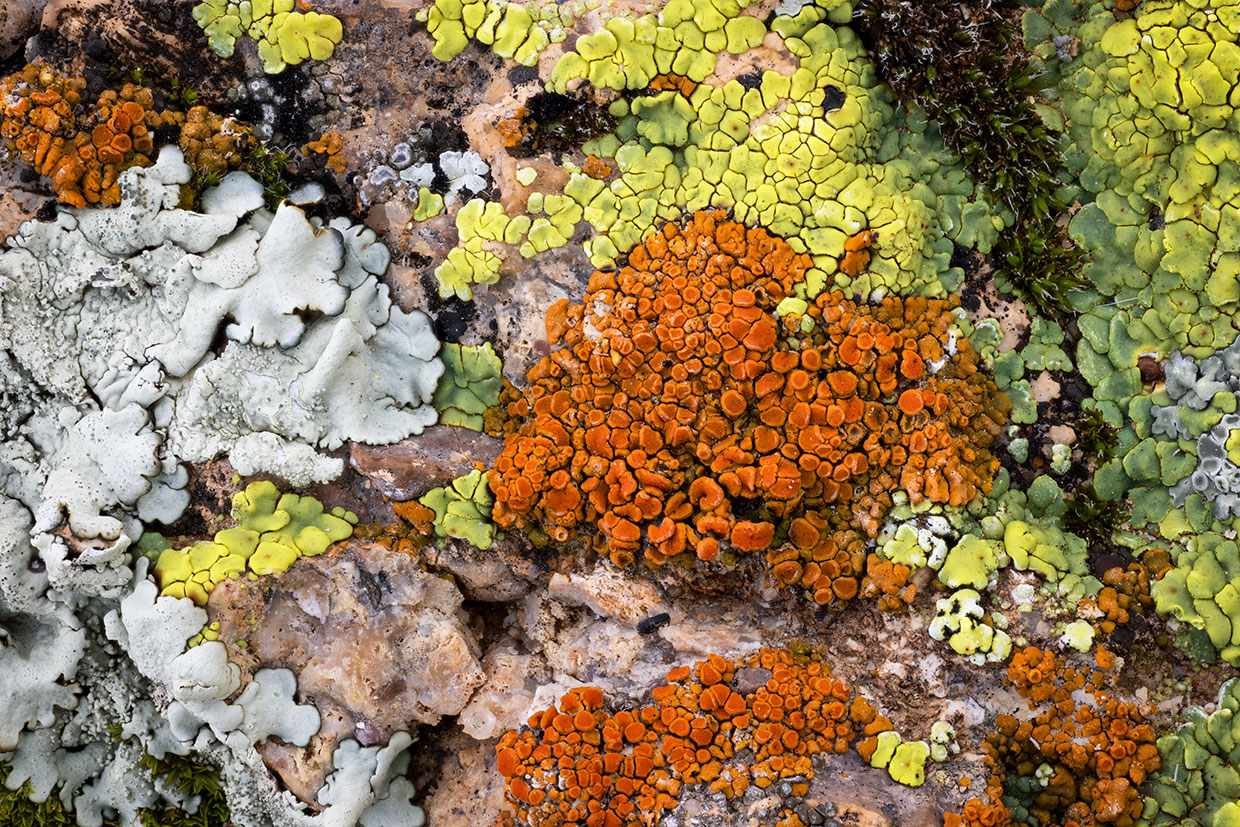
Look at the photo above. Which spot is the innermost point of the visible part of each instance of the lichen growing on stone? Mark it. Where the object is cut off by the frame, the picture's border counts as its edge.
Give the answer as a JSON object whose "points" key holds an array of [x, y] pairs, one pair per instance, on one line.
{"points": [[698, 730], [273, 530], [722, 398], [286, 33]]}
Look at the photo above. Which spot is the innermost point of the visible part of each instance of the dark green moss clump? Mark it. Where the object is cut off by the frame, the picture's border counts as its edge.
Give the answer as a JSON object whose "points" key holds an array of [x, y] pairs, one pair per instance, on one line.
{"points": [[17, 810], [1035, 261], [191, 778], [555, 123], [1095, 521], [963, 63], [1094, 436]]}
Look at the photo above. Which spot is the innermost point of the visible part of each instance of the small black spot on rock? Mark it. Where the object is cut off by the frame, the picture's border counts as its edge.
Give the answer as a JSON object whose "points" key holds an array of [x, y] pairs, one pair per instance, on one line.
{"points": [[167, 134], [522, 74], [653, 623], [47, 210], [550, 106], [751, 80], [832, 98]]}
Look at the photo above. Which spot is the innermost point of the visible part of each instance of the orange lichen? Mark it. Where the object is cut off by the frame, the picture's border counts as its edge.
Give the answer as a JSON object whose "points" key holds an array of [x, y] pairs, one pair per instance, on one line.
{"points": [[329, 145], [513, 130], [1124, 591], [83, 148], [1099, 751], [213, 144], [669, 82], [580, 764], [888, 582], [596, 168], [409, 535], [684, 416], [856, 253]]}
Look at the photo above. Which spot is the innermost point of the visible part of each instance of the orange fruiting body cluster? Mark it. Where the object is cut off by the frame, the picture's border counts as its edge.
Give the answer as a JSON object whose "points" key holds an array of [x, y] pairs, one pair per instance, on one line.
{"points": [[581, 764], [1123, 592], [669, 82], [214, 144], [1099, 752], [856, 253], [596, 168], [888, 582], [82, 149], [329, 145], [684, 415]]}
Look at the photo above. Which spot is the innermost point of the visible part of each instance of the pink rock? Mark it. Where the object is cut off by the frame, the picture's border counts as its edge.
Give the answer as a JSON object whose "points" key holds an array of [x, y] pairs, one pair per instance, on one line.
{"points": [[408, 469], [378, 645]]}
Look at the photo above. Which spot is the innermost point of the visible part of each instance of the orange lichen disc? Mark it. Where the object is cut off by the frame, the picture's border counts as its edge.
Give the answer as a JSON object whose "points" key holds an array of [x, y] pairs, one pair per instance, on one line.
{"points": [[578, 764], [686, 420]]}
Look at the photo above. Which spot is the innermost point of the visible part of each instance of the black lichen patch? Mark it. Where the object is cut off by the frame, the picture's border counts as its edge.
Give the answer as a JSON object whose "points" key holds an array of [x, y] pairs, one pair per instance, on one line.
{"points": [[453, 320], [555, 123], [832, 98], [519, 75]]}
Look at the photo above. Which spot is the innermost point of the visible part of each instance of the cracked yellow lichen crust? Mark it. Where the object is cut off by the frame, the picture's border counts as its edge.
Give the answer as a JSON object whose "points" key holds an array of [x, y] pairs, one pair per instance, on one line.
{"points": [[819, 156]]}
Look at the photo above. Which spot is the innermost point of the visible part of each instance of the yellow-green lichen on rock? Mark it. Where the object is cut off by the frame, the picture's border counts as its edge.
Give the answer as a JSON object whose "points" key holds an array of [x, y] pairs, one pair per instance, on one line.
{"points": [[514, 31], [818, 156], [285, 35], [463, 510], [471, 383], [1149, 106], [273, 530]]}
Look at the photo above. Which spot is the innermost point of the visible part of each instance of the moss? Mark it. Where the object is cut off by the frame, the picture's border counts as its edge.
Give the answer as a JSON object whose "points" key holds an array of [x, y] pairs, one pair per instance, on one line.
{"points": [[1091, 518], [17, 810], [187, 777]]}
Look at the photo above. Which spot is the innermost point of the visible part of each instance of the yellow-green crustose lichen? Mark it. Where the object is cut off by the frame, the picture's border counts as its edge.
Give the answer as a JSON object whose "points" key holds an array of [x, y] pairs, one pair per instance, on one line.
{"points": [[273, 530], [518, 32], [1148, 103], [816, 156], [463, 510], [285, 36], [471, 383]]}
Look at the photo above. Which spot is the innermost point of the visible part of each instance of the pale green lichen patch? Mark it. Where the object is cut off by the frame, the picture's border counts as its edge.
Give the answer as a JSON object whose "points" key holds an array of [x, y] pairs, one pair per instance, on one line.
{"points": [[471, 383], [463, 510]]}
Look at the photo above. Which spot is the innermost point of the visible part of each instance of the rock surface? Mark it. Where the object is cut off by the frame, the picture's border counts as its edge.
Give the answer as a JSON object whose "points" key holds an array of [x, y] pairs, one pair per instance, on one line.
{"points": [[378, 645]]}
